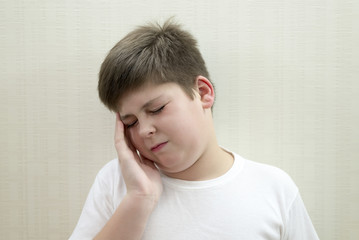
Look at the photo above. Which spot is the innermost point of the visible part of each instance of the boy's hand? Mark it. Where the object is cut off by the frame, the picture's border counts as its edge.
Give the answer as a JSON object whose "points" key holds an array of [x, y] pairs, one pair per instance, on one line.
{"points": [[141, 176]]}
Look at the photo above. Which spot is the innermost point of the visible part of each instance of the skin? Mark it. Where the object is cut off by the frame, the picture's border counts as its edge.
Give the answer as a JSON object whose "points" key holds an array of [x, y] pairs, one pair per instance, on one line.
{"points": [[159, 128]]}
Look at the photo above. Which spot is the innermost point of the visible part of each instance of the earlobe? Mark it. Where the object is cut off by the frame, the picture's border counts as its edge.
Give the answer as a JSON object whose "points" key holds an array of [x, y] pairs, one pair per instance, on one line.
{"points": [[206, 91]]}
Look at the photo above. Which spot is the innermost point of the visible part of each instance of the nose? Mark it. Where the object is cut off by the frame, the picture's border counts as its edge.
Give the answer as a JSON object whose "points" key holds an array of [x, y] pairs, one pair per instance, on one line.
{"points": [[146, 129]]}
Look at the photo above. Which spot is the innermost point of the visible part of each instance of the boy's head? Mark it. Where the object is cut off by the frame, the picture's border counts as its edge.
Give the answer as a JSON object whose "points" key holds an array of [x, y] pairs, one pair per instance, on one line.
{"points": [[150, 54]]}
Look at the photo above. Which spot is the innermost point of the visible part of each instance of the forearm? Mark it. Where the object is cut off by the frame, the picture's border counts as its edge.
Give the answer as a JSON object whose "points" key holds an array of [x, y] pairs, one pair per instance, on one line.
{"points": [[129, 220]]}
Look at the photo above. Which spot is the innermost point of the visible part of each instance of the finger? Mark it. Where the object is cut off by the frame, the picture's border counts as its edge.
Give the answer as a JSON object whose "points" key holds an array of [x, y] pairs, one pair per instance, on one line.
{"points": [[124, 147], [121, 142], [128, 140], [119, 132]]}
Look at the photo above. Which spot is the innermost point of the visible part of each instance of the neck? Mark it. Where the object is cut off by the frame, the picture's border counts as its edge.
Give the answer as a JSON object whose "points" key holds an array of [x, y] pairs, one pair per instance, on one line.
{"points": [[213, 163]]}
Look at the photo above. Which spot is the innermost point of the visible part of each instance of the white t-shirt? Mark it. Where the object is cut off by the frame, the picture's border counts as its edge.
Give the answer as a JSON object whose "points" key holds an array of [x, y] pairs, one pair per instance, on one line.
{"points": [[250, 201]]}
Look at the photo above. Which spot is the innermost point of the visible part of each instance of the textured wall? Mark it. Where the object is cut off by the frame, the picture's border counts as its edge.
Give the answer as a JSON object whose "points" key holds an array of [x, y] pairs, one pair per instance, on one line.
{"points": [[287, 83]]}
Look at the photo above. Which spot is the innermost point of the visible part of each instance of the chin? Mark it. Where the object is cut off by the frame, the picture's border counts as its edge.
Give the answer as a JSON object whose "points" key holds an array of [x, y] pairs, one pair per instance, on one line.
{"points": [[174, 168]]}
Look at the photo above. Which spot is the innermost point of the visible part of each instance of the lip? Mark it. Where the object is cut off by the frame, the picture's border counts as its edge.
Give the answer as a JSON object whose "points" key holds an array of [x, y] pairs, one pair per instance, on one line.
{"points": [[158, 147]]}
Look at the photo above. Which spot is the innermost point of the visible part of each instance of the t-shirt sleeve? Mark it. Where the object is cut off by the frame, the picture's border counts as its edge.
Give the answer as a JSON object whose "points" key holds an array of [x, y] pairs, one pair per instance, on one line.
{"points": [[298, 225], [97, 210]]}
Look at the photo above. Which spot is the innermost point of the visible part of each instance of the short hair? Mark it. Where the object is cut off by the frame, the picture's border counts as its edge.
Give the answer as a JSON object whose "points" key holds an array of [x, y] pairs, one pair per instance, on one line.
{"points": [[150, 54]]}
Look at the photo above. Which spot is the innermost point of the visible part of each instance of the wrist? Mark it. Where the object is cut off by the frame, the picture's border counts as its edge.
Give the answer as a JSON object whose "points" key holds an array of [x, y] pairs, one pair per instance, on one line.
{"points": [[142, 200]]}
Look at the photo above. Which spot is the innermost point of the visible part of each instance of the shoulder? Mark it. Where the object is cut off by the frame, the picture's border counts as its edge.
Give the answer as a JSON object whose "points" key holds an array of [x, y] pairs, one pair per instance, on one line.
{"points": [[268, 172], [109, 182], [109, 175], [258, 170], [269, 180], [110, 169]]}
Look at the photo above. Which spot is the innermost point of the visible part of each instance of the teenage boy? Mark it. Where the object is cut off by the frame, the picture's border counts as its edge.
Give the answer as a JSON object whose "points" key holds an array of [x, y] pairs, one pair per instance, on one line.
{"points": [[171, 179]]}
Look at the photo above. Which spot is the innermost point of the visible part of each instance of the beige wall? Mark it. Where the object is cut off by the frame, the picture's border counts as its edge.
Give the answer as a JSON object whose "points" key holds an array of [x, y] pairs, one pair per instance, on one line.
{"points": [[287, 83]]}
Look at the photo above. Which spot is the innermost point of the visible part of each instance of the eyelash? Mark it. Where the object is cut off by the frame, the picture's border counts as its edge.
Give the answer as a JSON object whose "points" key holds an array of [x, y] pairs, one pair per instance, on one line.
{"points": [[157, 111], [131, 125]]}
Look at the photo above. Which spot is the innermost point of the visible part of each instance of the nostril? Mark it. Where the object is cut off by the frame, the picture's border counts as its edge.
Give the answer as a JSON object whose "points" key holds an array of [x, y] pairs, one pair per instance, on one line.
{"points": [[147, 131]]}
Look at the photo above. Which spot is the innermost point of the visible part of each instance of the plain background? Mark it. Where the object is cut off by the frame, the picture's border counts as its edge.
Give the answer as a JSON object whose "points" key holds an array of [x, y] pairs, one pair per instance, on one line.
{"points": [[287, 81]]}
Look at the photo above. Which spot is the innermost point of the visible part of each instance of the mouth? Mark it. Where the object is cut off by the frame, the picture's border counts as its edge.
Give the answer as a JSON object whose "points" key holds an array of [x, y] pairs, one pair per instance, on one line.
{"points": [[158, 147]]}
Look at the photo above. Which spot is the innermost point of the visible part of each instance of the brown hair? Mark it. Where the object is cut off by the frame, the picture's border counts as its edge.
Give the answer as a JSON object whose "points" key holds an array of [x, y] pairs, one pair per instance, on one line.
{"points": [[150, 53]]}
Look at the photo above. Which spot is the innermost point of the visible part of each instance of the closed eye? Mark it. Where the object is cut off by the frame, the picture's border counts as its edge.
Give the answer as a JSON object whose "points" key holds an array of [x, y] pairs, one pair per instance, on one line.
{"points": [[131, 124], [158, 110]]}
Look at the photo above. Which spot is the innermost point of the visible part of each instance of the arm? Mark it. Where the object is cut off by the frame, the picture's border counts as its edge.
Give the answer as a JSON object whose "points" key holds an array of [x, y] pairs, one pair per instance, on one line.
{"points": [[298, 224], [129, 220], [144, 188]]}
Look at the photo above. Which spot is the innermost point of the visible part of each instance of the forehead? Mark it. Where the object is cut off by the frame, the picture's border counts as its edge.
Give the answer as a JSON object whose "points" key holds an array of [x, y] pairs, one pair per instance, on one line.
{"points": [[146, 93]]}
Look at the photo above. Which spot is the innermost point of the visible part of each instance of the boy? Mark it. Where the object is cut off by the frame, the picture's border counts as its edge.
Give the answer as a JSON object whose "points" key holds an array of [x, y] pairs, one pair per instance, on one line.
{"points": [[171, 179]]}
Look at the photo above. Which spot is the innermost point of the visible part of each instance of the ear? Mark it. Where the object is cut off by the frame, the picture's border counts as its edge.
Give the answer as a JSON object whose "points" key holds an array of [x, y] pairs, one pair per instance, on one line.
{"points": [[206, 91]]}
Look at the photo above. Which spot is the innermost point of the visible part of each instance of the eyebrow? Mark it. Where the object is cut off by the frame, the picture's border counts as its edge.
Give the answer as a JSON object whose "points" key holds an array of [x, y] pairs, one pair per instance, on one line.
{"points": [[143, 107]]}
